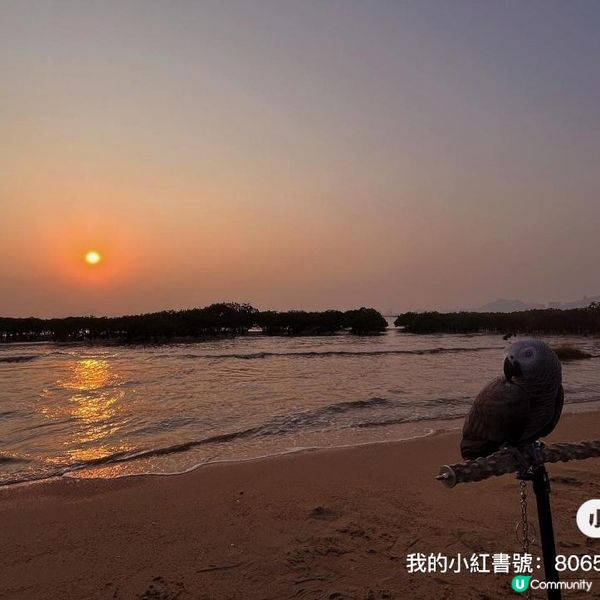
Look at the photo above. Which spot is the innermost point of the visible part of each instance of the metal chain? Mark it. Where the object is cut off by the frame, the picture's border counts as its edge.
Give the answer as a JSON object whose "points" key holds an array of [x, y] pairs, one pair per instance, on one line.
{"points": [[524, 524], [524, 521]]}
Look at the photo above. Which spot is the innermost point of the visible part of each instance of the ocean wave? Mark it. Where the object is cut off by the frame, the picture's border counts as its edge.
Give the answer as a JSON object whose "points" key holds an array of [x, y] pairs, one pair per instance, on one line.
{"points": [[279, 425], [29, 357], [8, 413], [18, 359], [7, 459], [445, 401], [401, 420], [584, 400], [45, 424], [325, 353]]}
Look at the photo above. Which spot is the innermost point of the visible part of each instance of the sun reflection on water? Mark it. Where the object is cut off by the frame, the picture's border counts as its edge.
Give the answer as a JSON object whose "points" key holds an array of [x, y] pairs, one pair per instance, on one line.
{"points": [[96, 399], [89, 374], [95, 402]]}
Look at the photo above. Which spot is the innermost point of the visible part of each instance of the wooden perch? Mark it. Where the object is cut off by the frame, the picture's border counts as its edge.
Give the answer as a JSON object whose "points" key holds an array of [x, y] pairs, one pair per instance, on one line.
{"points": [[516, 460]]}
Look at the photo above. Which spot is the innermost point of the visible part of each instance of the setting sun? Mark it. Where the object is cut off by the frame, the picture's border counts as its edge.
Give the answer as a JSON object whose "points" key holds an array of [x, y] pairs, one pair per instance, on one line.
{"points": [[93, 257]]}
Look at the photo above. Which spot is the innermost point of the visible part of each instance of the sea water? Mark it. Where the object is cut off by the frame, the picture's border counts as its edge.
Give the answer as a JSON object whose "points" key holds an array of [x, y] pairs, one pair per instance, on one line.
{"points": [[108, 411]]}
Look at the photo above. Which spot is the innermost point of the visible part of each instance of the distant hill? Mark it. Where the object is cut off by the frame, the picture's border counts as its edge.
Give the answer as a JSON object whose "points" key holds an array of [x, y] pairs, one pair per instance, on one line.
{"points": [[582, 303], [504, 305]]}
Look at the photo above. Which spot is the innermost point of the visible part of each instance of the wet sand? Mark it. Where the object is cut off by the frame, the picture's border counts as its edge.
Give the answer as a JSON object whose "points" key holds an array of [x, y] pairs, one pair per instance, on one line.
{"points": [[329, 524]]}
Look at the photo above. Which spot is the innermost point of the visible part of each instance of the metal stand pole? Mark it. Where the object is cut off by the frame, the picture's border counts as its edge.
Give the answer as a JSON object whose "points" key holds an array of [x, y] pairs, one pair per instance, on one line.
{"points": [[541, 487]]}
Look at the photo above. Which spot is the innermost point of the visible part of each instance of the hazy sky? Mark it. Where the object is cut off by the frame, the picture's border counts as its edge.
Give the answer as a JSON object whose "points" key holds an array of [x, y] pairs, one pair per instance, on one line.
{"points": [[297, 154]]}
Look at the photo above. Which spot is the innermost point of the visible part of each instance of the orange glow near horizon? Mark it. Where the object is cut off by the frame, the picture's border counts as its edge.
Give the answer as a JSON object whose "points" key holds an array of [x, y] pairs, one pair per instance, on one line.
{"points": [[93, 257], [96, 253]]}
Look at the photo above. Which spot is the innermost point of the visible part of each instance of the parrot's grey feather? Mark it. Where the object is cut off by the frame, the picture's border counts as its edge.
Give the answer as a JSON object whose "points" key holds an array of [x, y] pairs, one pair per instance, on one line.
{"points": [[560, 399], [543, 416], [498, 416]]}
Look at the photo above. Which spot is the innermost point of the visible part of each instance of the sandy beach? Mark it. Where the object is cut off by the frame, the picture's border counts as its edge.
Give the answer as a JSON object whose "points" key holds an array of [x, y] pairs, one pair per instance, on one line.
{"points": [[327, 524]]}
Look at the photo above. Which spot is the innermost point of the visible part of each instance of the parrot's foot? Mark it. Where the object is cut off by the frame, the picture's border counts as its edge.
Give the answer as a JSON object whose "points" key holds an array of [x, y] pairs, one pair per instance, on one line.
{"points": [[521, 460]]}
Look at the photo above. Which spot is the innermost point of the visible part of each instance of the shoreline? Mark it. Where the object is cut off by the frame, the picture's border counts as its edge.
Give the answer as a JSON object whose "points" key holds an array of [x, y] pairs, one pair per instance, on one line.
{"points": [[94, 470], [413, 430], [327, 523]]}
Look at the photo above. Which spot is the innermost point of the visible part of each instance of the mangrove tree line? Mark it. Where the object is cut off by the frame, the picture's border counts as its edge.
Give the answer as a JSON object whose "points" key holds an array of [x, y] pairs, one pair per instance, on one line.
{"points": [[221, 319]]}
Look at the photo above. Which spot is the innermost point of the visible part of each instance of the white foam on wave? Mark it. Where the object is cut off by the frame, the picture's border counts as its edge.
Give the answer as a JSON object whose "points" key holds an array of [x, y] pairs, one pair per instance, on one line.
{"points": [[449, 425]]}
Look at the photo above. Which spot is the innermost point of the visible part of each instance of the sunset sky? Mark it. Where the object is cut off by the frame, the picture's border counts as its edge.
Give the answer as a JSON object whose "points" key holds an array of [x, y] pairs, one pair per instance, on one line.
{"points": [[297, 154]]}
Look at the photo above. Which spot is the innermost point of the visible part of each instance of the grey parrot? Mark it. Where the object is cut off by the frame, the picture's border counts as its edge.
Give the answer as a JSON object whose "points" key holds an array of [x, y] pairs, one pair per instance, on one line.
{"points": [[519, 407]]}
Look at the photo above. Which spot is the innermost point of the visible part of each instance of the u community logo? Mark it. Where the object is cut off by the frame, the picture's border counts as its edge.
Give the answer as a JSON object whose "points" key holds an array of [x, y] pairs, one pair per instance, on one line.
{"points": [[520, 583]]}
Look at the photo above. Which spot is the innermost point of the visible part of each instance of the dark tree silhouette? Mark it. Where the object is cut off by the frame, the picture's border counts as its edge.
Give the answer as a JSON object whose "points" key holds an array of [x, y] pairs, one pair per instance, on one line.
{"points": [[222, 319], [364, 321], [581, 321]]}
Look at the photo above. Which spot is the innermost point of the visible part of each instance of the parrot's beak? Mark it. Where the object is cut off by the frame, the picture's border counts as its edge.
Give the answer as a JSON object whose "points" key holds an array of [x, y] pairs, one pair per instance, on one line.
{"points": [[511, 369]]}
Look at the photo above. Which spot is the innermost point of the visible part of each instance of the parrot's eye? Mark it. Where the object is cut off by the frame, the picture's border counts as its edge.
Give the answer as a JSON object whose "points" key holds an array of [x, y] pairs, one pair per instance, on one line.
{"points": [[528, 353]]}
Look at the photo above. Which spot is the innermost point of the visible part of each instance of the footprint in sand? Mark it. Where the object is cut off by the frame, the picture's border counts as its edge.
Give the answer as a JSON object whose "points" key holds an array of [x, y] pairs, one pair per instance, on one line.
{"points": [[322, 512], [160, 589]]}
